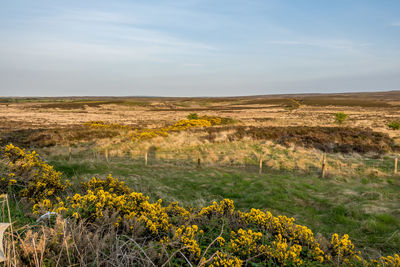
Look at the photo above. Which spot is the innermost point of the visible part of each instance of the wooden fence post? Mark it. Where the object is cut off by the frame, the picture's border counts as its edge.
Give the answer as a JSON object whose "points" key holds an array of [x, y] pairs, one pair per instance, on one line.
{"points": [[69, 153], [395, 166], [260, 165], [145, 159], [323, 167], [106, 154]]}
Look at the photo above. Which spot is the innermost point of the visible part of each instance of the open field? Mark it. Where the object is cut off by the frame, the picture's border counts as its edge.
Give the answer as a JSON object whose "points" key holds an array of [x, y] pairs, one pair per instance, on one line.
{"points": [[216, 156]]}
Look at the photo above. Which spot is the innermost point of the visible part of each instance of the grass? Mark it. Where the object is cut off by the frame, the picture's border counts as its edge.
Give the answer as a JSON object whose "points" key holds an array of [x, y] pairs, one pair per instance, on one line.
{"points": [[367, 209], [360, 196]]}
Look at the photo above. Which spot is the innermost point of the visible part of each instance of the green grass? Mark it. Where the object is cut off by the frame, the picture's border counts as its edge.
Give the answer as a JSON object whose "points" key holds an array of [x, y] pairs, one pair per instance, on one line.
{"points": [[367, 209]]}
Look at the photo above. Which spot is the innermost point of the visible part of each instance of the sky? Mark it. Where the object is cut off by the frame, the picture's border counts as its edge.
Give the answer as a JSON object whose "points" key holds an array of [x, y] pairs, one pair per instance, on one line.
{"points": [[198, 47]]}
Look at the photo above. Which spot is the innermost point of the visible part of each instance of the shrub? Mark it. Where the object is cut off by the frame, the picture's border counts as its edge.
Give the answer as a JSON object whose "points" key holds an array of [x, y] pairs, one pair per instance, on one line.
{"points": [[255, 236], [106, 125], [327, 139], [394, 125], [192, 116], [341, 117], [215, 120], [29, 176], [181, 125], [293, 104]]}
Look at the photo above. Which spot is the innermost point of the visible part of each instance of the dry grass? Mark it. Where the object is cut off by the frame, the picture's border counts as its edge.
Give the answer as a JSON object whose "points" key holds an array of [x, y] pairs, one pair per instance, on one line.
{"points": [[55, 125], [257, 111]]}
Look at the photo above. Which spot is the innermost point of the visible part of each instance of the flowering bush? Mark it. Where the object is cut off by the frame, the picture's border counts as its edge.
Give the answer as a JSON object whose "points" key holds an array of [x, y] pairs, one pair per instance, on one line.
{"points": [[215, 120], [222, 259], [105, 125], [109, 184], [223, 208], [246, 243], [343, 248], [113, 196], [258, 236], [391, 260], [28, 175], [181, 125], [192, 121]]}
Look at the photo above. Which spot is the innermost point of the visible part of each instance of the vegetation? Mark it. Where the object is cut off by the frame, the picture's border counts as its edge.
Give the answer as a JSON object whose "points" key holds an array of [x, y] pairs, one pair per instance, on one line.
{"points": [[143, 134], [328, 139], [105, 125], [192, 116], [394, 125], [210, 235], [293, 104], [341, 117], [190, 192], [29, 176]]}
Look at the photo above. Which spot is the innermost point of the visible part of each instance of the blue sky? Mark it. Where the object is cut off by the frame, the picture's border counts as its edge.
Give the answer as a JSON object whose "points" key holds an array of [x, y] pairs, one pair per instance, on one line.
{"points": [[198, 47]]}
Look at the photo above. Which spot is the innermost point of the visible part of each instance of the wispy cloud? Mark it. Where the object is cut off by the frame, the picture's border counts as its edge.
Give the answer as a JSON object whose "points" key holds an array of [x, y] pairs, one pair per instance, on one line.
{"points": [[330, 44], [96, 36], [96, 16], [117, 27], [396, 24]]}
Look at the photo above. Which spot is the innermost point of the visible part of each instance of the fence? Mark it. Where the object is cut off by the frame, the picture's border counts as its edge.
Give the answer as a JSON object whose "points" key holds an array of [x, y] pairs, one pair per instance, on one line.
{"points": [[324, 165]]}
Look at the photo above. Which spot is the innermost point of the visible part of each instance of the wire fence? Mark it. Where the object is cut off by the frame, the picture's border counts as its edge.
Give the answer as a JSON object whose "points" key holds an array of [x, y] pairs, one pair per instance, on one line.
{"points": [[318, 163]]}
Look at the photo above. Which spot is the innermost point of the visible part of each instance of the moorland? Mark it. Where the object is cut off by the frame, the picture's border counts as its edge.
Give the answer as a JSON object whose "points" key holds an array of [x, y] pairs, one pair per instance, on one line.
{"points": [[305, 179]]}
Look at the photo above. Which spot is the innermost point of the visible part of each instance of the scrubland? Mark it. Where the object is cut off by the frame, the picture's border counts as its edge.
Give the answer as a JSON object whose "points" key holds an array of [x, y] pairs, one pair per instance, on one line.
{"points": [[177, 181]]}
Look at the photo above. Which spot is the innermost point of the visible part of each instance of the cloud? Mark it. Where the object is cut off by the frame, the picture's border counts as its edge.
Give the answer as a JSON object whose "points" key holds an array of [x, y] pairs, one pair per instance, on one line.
{"points": [[396, 24], [82, 15], [330, 44], [117, 27], [90, 36]]}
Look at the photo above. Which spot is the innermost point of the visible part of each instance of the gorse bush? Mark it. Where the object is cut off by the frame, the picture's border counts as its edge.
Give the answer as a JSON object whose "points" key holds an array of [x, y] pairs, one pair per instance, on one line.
{"points": [[394, 125], [293, 104], [181, 125], [124, 222], [215, 120], [28, 175], [256, 236], [340, 117], [106, 125], [192, 121]]}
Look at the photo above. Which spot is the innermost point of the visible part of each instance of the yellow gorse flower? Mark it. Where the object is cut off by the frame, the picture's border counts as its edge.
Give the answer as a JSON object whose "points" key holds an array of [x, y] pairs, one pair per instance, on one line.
{"points": [[30, 175], [224, 207], [224, 260], [246, 243]]}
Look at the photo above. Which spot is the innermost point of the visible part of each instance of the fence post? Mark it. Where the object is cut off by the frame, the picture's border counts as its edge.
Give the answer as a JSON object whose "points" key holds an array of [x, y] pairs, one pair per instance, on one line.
{"points": [[260, 165], [323, 167], [69, 153], [145, 159], [395, 166], [198, 162], [106, 154]]}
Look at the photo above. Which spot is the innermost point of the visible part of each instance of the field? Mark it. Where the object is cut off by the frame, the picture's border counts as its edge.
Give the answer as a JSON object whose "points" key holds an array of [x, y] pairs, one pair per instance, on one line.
{"points": [[198, 150]]}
